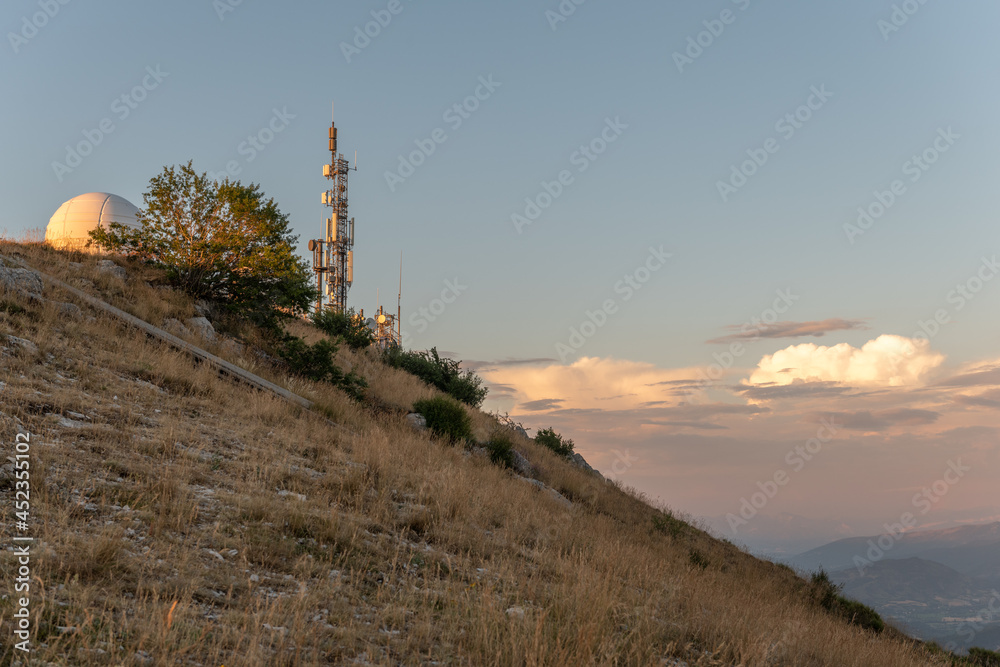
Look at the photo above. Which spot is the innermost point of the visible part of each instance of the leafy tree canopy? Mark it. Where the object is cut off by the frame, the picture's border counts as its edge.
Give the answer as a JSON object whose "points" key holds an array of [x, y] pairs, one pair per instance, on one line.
{"points": [[225, 242], [548, 437]]}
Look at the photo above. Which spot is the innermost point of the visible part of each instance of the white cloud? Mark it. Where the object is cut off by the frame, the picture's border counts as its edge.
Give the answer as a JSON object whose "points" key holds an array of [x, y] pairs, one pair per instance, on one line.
{"points": [[593, 383], [887, 361]]}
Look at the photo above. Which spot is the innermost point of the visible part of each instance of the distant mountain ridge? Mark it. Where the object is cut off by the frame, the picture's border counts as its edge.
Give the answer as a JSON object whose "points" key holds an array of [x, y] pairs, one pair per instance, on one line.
{"points": [[905, 580], [939, 584], [970, 550]]}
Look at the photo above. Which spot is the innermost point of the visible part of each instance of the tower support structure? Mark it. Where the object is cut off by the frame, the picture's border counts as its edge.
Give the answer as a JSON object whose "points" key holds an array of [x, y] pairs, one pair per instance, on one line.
{"points": [[333, 255]]}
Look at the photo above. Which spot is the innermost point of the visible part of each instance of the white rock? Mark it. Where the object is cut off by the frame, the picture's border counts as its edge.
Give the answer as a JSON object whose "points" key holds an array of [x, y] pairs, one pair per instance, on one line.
{"points": [[202, 327], [298, 496], [558, 497], [21, 345], [174, 326], [416, 421], [521, 465], [516, 612], [25, 282], [109, 267], [68, 310]]}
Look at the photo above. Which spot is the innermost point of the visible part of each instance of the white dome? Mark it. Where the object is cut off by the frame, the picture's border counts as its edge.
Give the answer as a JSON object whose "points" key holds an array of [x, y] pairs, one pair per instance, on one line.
{"points": [[69, 226]]}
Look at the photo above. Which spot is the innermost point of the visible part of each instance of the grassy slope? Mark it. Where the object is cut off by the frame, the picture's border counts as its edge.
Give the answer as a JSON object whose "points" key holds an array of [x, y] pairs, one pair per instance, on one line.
{"points": [[166, 536]]}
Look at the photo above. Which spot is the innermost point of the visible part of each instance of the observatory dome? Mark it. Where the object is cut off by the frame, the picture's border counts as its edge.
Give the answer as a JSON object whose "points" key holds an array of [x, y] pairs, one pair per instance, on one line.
{"points": [[70, 224]]}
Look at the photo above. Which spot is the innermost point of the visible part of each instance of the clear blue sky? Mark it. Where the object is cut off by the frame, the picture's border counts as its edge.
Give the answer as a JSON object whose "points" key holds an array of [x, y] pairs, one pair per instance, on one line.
{"points": [[657, 184]]}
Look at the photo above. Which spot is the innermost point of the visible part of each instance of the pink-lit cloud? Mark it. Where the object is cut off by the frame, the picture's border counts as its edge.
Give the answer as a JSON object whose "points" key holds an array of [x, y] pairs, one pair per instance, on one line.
{"points": [[886, 361], [901, 412]]}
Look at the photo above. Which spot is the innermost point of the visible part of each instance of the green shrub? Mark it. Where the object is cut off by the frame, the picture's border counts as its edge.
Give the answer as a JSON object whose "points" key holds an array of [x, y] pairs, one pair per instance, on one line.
{"points": [[11, 308], [827, 594], [501, 449], [348, 327], [983, 658], [668, 524], [698, 559], [439, 372], [860, 615], [824, 591], [547, 437], [316, 363], [446, 418]]}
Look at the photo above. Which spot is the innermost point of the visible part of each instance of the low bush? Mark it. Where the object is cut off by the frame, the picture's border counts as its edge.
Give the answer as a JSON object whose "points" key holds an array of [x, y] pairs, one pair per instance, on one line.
{"points": [[827, 594], [348, 327], [501, 449], [698, 559], [439, 372], [984, 658], [668, 524], [316, 362], [445, 418], [824, 591], [860, 615], [547, 437]]}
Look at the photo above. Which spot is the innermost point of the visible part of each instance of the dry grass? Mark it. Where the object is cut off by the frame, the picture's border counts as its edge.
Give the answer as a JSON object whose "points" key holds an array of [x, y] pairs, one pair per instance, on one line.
{"points": [[182, 519]]}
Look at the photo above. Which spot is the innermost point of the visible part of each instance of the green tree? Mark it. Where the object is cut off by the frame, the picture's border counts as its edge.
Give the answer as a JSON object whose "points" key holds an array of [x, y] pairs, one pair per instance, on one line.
{"points": [[225, 242], [547, 437]]}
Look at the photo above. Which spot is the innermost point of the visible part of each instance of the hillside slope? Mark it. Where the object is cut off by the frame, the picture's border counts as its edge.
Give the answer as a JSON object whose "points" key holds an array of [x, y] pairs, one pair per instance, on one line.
{"points": [[180, 518]]}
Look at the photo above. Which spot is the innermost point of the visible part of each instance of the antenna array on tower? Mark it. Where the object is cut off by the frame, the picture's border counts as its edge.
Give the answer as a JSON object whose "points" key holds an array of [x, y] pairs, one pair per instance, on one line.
{"points": [[333, 256]]}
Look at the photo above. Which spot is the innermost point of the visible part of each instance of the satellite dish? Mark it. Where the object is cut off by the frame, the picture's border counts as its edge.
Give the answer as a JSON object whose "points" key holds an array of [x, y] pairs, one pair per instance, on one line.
{"points": [[370, 323], [312, 245], [381, 319]]}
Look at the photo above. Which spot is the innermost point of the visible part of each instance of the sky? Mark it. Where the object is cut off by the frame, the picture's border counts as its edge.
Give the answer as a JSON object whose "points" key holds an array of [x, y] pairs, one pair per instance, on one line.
{"points": [[693, 237]]}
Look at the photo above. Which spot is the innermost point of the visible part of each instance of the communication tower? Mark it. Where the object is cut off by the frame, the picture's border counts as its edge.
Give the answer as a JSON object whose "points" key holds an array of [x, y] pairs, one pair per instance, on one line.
{"points": [[333, 256], [386, 325]]}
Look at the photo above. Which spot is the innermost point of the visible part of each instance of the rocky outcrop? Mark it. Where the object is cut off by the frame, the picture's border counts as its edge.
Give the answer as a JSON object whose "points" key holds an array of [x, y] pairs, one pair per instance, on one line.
{"points": [[16, 345], [68, 310], [558, 497], [176, 327], [22, 282], [416, 421], [521, 465], [202, 327], [109, 267], [580, 462]]}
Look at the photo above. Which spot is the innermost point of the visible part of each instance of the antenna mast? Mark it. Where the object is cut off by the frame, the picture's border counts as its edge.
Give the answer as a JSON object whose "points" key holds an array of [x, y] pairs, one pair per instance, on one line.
{"points": [[399, 302], [333, 256]]}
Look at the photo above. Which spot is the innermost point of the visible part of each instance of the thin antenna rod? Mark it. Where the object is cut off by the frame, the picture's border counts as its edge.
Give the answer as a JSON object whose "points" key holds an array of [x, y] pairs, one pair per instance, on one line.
{"points": [[333, 107], [399, 302]]}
